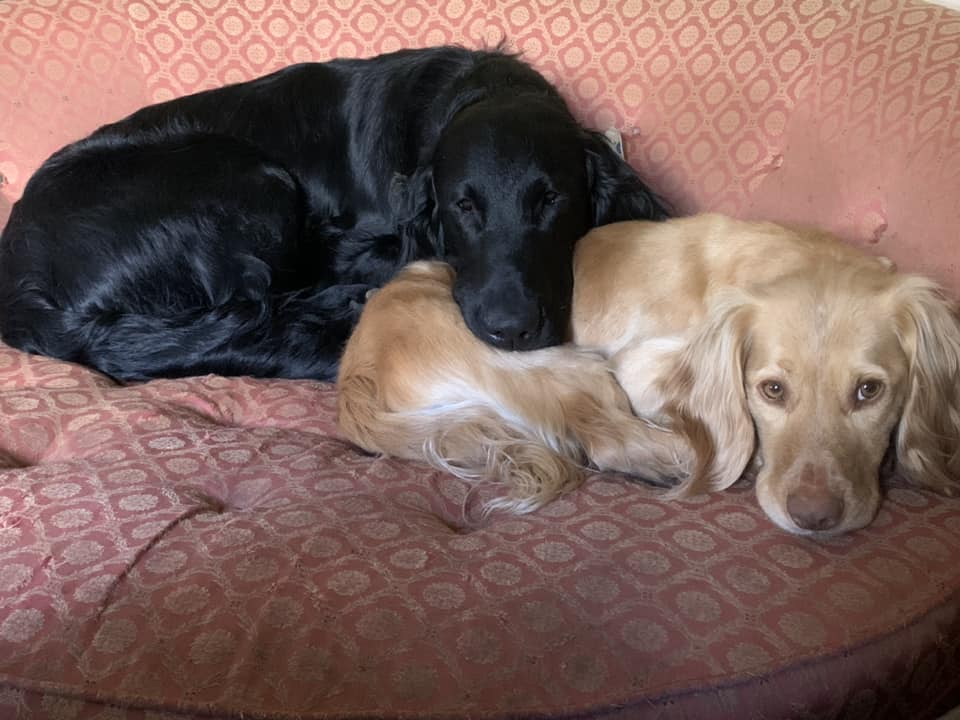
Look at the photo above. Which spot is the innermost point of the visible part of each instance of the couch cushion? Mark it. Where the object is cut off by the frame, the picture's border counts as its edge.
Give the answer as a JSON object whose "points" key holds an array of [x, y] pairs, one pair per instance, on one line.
{"points": [[211, 544]]}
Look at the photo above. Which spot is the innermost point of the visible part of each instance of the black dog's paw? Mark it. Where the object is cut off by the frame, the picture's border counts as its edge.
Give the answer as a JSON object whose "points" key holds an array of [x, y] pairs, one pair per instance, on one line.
{"points": [[343, 300], [357, 296]]}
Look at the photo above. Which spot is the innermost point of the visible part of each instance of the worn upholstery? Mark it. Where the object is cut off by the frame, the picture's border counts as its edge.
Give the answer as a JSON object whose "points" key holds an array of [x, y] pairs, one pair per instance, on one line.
{"points": [[210, 547]]}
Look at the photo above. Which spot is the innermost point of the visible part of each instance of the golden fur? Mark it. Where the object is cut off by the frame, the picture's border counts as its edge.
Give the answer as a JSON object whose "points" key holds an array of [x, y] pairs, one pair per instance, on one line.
{"points": [[737, 345]]}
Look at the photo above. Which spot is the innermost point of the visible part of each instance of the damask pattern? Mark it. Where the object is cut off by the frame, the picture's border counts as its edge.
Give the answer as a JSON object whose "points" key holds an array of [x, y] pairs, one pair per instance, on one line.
{"points": [[212, 546], [207, 542]]}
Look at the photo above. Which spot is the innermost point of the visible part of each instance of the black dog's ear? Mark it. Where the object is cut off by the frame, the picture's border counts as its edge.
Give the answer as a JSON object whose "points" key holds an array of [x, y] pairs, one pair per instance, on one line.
{"points": [[414, 205], [616, 192]]}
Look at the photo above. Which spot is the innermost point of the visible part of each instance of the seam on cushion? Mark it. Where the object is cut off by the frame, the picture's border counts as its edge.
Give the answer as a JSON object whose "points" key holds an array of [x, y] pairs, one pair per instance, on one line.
{"points": [[211, 506]]}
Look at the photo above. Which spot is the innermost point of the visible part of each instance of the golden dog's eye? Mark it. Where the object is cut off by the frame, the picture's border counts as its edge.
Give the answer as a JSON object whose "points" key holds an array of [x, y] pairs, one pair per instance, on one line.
{"points": [[869, 390], [773, 390]]}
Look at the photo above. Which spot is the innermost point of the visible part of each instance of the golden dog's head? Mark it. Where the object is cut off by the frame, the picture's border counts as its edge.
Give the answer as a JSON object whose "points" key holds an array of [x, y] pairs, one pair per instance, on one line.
{"points": [[815, 375]]}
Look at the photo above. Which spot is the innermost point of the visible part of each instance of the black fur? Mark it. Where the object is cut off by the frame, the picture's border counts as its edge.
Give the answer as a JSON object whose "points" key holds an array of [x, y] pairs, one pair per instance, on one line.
{"points": [[237, 231]]}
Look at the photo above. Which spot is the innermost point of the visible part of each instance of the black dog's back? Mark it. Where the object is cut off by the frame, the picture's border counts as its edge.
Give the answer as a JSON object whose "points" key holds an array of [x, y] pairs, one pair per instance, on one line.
{"points": [[341, 127]]}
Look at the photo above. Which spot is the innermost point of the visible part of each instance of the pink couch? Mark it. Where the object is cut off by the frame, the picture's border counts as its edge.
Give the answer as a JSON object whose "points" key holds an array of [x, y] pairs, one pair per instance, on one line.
{"points": [[209, 547]]}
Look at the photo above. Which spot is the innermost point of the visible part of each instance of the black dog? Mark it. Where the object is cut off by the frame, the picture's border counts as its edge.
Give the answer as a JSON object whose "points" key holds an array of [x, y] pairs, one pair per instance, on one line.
{"points": [[237, 230]]}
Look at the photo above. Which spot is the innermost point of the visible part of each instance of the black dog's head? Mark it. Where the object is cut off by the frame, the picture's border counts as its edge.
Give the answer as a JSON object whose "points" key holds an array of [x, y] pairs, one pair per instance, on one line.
{"points": [[514, 182]]}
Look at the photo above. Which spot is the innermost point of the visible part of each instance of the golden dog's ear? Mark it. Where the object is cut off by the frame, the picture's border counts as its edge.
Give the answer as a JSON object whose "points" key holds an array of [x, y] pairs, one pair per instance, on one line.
{"points": [[928, 436], [704, 393]]}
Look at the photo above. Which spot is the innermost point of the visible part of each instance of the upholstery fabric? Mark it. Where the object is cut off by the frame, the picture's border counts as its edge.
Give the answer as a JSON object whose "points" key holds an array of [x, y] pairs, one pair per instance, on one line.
{"points": [[210, 547], [211, 543]]}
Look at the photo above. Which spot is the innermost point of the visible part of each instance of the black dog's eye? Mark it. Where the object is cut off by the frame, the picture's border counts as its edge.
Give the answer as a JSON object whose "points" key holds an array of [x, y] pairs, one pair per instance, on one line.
{"points": [[466, 205], [550, 197]]}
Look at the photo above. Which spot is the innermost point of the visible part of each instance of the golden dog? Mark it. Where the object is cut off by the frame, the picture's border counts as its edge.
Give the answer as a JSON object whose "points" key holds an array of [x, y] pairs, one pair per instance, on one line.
{"points": [[703, 347]]}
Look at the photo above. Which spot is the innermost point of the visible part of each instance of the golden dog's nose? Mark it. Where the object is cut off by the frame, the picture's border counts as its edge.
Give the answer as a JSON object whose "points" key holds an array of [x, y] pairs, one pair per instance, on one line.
{"points": [[812, 505]]}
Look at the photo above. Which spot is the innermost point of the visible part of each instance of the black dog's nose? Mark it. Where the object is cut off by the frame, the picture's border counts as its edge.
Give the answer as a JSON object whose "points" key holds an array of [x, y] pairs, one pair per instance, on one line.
{"points": [[512, 327]]}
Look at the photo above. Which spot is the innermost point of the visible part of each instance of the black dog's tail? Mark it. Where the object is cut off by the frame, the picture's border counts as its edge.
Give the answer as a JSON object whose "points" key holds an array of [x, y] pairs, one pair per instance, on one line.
{"points": [[297, 334]]}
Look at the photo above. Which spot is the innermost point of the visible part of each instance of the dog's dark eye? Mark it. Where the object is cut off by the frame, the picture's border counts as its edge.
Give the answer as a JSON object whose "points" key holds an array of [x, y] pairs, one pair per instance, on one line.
{"points": [[466, 205], [773, 390], [550, 197], [869, 390]]}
